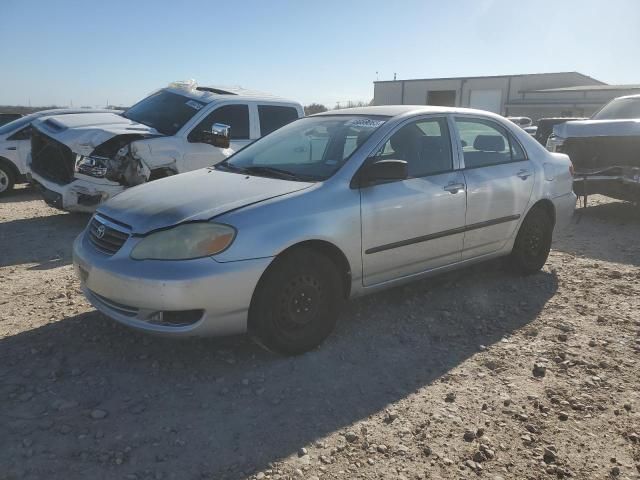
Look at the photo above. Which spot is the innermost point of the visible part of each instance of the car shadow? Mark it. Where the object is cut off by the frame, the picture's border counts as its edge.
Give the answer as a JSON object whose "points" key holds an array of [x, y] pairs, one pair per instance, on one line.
{"points": [[613, 224], [20, 194], [45, 241], [225, 408]]}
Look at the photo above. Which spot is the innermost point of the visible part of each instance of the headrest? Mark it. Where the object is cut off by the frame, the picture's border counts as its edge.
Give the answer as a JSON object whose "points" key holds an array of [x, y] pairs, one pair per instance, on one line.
{"points": [[489, 143], [430, 143], [362, 136]]}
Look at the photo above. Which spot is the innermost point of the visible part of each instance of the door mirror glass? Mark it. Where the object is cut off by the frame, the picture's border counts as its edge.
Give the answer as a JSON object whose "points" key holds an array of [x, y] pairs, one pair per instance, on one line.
{"points": [[218, 136], [383, 170]]}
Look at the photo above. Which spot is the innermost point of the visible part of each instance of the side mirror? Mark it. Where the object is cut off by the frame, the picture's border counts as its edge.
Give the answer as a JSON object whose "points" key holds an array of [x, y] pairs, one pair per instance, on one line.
{"points": [[380, 171], [218, 136]]}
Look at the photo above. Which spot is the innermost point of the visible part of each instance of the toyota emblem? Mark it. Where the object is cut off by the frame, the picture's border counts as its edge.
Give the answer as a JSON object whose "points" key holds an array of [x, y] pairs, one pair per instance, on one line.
{"points": [[100, 231]]}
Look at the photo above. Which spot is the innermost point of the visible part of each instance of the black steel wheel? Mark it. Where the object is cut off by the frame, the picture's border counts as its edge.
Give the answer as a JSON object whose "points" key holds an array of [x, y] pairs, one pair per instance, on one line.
{"points": [[296, 302]]}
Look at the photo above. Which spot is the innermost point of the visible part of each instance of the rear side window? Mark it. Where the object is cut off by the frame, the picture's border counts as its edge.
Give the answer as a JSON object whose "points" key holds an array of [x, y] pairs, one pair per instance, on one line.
{"points": [[485, 143], [236, 116], [272, 117]]}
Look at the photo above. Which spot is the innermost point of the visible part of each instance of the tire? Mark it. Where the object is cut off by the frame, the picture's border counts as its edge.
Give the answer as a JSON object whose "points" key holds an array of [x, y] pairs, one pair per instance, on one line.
{"points": [[7, 178], [296, 302], [533, 242]]}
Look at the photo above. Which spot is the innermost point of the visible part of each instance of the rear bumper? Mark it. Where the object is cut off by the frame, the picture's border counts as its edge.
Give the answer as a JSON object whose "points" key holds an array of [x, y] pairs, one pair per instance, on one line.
{"points": [[564, 205], [78, 196]]}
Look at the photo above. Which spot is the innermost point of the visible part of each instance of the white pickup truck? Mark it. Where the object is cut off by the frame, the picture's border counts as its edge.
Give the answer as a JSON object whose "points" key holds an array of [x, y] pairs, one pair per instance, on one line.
{"points": [[80, 161]]}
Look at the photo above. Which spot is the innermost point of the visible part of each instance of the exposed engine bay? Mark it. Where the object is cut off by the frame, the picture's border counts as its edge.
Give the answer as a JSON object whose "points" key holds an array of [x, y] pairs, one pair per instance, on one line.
{"points": [[117, 160]]}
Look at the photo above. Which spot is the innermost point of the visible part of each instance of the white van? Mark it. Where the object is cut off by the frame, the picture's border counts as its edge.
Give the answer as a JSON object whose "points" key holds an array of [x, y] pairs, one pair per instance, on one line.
{"points": [[80, 161]]}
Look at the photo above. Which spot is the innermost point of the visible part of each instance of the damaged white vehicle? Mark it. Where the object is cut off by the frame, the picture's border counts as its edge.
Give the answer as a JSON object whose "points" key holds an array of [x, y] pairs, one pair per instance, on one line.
{"points": [[80, 161], [605, 150]]}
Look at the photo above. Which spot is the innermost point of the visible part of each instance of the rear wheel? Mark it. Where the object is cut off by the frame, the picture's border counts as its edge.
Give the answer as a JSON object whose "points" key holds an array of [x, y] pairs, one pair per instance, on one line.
{"points": [[296, 302], [7, 178], [533, 242]]}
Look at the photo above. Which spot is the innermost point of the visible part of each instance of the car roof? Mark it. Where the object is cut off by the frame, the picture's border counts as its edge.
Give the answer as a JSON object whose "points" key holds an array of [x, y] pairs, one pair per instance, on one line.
{"points": [[215, 93], [637, 96], [397, 110]]}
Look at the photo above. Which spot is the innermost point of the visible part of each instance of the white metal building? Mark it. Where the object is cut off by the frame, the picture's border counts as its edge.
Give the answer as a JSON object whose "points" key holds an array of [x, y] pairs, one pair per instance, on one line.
{"points": [[563, 94]]}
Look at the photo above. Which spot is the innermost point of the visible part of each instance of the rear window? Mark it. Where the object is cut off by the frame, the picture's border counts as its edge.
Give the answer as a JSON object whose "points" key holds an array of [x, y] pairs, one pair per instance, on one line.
{"points": [[620, 108], [272, 117]]}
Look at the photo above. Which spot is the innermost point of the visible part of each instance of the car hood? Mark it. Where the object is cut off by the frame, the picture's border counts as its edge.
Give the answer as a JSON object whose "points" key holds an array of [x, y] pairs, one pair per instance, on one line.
{"points": [[83, 132], [198, 195], [598, 128]]}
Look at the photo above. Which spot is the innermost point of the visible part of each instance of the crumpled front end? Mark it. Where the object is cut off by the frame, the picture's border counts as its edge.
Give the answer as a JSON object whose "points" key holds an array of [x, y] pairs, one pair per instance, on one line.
{"points": [[72, 181]]}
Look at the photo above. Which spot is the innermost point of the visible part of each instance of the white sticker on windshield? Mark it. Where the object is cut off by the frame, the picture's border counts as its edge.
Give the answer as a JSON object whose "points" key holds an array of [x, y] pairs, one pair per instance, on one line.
{"points": [[364, 122], [194, 104]]}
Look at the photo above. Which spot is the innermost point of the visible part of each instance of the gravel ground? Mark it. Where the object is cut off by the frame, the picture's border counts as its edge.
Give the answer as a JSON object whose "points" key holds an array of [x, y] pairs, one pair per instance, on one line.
{"points": [[478, 373]]}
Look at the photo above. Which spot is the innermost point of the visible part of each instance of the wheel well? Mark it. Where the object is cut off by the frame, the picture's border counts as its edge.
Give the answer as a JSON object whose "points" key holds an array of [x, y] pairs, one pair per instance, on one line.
{"points": [[12, 167], [546, 205], [334, 253]]}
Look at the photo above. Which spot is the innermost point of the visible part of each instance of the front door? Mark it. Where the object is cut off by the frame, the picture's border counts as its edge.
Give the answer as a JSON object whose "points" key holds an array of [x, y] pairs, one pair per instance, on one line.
{"points": [[198, 154], [417, 224], [499, 179]]}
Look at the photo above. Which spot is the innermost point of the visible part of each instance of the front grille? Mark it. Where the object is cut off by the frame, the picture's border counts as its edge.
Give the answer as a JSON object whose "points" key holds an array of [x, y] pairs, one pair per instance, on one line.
{"points": [[51, 159], [105, 236]]}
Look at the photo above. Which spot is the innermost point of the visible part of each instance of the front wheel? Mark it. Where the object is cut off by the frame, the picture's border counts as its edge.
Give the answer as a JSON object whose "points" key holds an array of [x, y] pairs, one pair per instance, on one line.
{"points": [[533, 242], [7, 179], [296, 303]]}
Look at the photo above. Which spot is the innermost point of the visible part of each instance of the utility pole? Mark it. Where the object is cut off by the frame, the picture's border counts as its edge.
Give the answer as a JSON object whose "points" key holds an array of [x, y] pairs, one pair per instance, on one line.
{"points": [[395, 75]]}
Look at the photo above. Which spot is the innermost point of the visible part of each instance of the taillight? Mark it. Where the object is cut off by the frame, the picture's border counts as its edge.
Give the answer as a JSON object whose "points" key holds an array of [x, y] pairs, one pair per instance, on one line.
{"points": [[571, 170]]}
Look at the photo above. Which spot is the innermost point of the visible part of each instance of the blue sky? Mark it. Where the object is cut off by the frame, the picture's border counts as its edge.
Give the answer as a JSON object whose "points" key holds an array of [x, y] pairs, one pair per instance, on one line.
{"points": [[90, 52]]}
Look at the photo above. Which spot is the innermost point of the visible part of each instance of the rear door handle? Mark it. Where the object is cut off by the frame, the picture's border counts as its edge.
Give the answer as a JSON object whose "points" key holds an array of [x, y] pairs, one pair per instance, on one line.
{"points": [[11, 148], [454, 187], [523, 174]]}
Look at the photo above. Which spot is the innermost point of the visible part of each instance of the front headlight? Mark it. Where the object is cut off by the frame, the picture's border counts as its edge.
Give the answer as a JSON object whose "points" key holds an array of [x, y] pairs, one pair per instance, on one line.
{"points": [[555, 143], [184, 242], [93, 166]]}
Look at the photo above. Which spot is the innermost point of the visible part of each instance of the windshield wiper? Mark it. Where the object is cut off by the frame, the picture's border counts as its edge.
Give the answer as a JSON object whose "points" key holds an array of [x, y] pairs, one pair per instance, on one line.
{"points": [[273, 171]]}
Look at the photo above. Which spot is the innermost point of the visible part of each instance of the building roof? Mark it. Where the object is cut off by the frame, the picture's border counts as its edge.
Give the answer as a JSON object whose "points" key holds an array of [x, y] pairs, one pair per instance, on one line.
{"points": [[494, 76], [587, 88]]}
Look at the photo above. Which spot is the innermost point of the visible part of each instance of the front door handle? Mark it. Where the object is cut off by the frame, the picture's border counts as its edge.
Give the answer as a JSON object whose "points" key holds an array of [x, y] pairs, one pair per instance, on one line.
{"points": [[523, 174], [11, 148], [454, 187]]}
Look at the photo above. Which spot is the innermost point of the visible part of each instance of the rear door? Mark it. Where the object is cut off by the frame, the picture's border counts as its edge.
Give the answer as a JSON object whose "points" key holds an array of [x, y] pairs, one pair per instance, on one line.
{"points": [[499, 179], [417, 224]]}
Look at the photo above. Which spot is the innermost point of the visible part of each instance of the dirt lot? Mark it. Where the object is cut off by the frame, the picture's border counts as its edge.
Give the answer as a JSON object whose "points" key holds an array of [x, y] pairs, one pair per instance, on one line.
{"points": [[476, 374]]}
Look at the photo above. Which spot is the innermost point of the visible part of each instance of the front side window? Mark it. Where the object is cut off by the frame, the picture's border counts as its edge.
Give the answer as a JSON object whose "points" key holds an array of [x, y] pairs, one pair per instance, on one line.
{"points": [[484, 144], [165, 111], [312, 148], [425, 145], [23, 134], [272, 117], [236, 116]]}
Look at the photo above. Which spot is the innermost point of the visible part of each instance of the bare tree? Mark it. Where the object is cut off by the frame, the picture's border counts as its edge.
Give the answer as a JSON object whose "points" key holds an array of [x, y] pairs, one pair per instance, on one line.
{"points": [[314, 108]]}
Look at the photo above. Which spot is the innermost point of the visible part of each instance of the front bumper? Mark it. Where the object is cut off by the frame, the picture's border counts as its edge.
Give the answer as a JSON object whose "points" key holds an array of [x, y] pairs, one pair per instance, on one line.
{"points": [[564, 205], [133, 292], [81, 195], [621, 183]]}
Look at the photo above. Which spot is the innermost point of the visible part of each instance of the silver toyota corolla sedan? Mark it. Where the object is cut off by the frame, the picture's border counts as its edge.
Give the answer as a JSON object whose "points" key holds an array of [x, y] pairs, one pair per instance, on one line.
{"points": [[332, 206]]}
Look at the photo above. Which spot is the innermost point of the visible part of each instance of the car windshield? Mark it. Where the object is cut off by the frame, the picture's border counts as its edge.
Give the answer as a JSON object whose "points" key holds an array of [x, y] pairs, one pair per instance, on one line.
{"points": [[165, 111], [309, 149], [16, 124], [620, 108]]}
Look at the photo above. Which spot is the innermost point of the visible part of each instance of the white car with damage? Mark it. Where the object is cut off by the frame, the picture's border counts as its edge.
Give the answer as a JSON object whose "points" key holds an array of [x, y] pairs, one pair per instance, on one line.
{"points": [[15, 144], [80, 161]]}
